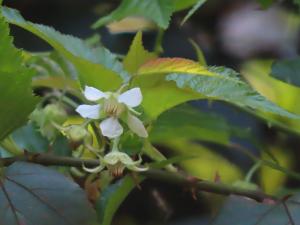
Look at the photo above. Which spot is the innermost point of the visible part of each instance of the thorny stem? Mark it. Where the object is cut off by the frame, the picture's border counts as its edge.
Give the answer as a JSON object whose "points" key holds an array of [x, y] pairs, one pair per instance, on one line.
{"points": [[155, 174]]}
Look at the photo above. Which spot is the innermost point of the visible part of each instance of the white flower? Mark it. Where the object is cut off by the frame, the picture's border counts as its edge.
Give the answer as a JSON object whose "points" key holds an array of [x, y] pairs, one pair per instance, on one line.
{"points": [[111, 106], [116, 162]]}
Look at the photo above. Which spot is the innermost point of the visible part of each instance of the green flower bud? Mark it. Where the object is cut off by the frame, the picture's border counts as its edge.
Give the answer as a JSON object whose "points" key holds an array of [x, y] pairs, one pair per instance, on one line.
{"points": [[45, 118], [76, 133]]}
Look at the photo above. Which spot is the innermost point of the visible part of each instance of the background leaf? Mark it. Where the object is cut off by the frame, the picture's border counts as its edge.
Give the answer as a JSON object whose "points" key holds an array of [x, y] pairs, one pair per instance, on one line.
{"points": [[16, 98], [192, 11], [205, 163], [159, 11], [112, 197], [244, 211], [187, 122], [257, 73], [265, 3], [32, 194], [287, 70], [96, 67]]}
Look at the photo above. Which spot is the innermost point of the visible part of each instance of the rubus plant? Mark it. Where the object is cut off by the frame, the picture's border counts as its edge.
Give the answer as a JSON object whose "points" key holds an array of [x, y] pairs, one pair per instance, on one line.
{"points": [[105, 119]]}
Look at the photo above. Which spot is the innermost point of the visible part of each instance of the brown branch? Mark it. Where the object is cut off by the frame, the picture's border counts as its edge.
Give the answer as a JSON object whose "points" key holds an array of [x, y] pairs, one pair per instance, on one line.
{"points": [[155, 174]]}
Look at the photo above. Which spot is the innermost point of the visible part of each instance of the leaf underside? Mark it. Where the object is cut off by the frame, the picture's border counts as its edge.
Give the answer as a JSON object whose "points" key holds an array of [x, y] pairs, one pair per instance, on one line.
{"points": [[31, 194], [243, 211]]}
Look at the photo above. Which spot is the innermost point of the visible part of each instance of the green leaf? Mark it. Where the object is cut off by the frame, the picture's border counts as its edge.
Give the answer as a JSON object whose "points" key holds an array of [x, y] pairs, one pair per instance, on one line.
{"points": [[136, 55], [257, 73], [159, 94], [33, 194], [297, 2], [112, 197], [265, 3], [244, 211], [181, 5], [287, 70], [96, 67], [192, 11], [16, 98], [173, 65], [227, 86], [28, 137], [205, 163], [159, 11], [186, 122]]}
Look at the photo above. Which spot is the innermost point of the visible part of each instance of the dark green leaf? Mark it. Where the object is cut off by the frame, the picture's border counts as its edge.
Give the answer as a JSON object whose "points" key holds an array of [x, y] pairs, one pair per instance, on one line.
{"points": [[159, 11], [112, 197], [227, 86], [28, 137], [243, 211], [33, 195], [96, 67], [297, 2], [287, 70], [181, 5], [265, 3], [187, 122], [16, 98]]}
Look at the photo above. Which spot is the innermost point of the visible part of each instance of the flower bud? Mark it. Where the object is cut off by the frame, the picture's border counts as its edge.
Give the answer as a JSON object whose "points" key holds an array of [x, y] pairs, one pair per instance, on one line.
{"points": [[45, 118], [76, 133]]}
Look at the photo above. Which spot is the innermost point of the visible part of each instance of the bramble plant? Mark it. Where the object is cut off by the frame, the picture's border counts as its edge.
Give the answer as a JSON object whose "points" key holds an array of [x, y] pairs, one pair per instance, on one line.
{"points": [[107, 119]]}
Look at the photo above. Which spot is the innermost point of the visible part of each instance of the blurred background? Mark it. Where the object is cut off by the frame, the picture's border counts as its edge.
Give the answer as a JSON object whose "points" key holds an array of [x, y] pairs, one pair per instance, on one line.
{"points": [[234, 33]]}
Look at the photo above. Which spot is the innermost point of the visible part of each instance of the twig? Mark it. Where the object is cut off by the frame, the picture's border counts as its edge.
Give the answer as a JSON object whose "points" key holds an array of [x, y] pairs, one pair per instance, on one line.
{"points": [[156, 174]]}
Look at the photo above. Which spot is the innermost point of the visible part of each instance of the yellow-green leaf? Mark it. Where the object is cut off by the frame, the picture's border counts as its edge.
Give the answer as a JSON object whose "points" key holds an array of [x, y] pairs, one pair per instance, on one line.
{"points": [[207, 165], [136, 55], [173, 65]]}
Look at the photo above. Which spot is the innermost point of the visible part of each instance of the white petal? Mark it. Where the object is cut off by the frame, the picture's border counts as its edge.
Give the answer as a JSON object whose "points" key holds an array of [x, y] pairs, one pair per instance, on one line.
{"points": [[131, 98], [93, 94], [136, 126], [111, 128], [89, 111]]}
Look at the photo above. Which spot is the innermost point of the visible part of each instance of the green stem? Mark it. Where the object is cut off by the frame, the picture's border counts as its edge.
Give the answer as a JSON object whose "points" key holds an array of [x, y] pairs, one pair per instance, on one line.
{"points": [[115, 142], [273, 165], [251, 172], [158, 49], [99, 137]]}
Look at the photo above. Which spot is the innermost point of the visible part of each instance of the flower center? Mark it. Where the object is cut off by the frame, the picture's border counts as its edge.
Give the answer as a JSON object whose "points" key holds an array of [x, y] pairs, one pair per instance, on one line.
{"points": [[113, 108], [116, 169]]}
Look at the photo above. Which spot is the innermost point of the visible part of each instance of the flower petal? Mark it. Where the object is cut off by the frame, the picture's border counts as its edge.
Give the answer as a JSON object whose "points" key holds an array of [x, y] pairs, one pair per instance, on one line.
{"points": [[93, 170], [111, 127], [89, 111], [131, 98], [137, 168], [93, 94], [136, 126]]}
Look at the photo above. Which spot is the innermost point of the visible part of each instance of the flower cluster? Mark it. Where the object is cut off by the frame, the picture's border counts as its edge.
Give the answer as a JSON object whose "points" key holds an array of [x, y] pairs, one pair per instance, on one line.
{"points": [[110, 108]]}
